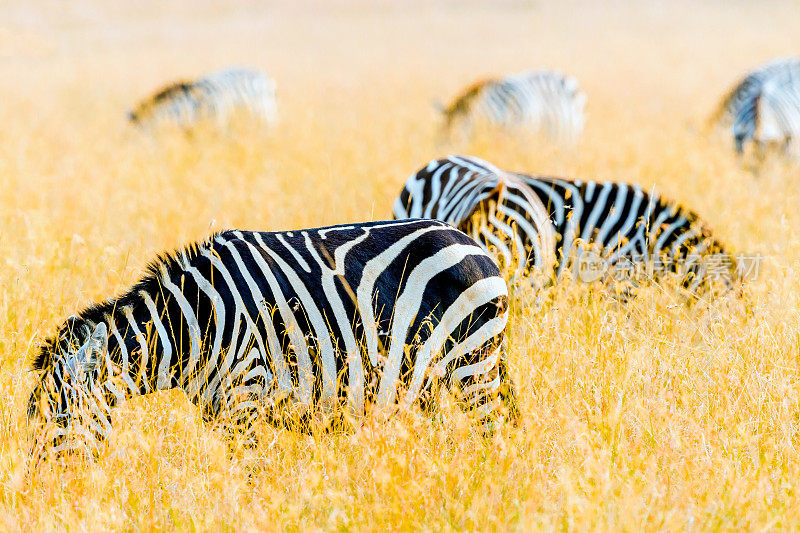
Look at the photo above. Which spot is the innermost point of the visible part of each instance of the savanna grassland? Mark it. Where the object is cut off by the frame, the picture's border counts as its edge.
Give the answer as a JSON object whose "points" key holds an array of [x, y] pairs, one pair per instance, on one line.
{"points": [[651, 415]]}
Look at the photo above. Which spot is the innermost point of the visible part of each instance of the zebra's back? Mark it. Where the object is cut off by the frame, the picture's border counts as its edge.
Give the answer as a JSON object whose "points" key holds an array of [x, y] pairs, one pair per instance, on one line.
{"points": [[625, 224], [216, 96], [539, 100]]}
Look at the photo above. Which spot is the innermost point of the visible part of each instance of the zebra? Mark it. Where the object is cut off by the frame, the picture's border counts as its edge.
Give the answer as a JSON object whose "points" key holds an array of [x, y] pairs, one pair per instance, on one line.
{"points": [[601, 227], [540, 100], [494, 207], [764, 108], [293, 327], [778, 113], [216, 96]]}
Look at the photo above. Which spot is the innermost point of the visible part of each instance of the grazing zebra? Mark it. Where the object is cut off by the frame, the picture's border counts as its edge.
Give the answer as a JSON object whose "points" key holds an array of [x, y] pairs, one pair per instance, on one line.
{"points": [[216, 96], [616, 226], [539, 100], [290, 326], [764, 108], [493, 207]]}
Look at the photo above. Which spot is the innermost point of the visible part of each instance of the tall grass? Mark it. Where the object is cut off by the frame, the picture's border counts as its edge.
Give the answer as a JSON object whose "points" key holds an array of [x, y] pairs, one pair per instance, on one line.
{"points": [[654, 414]]}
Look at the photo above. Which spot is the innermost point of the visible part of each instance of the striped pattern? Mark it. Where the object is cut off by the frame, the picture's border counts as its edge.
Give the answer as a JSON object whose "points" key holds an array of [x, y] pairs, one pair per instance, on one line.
{"points": [[621, 223], [626, 225], [291, 326], [494, 207], [217, 97], [538, 100], [764, 108]]}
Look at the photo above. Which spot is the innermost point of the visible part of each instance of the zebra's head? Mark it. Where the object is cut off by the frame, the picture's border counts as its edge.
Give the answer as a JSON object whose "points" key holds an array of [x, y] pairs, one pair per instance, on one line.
{"points": [[69, 403]]}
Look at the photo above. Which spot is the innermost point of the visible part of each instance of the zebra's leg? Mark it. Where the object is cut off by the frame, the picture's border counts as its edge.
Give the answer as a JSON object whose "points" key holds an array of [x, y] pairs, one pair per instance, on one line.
{"points": [[486, 387], [240, 408], [622, 278], [507, 393], [430, 399]]}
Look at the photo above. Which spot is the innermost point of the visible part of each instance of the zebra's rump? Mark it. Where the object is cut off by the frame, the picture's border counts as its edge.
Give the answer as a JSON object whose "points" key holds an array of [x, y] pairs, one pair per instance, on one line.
{"points": [[750, 86], [216, 97], [541, 100], [764, 107], [494, 207]]}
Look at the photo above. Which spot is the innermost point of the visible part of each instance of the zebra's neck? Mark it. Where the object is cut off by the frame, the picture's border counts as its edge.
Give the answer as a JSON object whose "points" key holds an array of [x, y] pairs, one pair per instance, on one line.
{"points": [[140, 352]]}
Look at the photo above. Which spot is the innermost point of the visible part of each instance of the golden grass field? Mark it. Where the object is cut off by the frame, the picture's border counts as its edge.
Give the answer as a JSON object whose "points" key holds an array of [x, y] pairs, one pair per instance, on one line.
{"points": [[653, 415]]}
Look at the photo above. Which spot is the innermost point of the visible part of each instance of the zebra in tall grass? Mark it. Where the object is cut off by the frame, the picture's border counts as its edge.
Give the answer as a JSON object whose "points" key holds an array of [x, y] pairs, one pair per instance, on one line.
{"points": [[297, 327], [539, 100], [606, 226], [494, 207], [764, 108], [216, 96]]}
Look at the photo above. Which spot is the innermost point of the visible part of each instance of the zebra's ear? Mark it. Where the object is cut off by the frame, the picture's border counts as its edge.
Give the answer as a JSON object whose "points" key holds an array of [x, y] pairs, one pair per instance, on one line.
{"points": [[100, 337], [71, 325], [95, 348]]}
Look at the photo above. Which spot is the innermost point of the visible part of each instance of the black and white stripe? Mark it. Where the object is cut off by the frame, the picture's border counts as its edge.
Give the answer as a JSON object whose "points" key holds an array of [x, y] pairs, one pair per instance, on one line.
{"points": [[764, 108], [778, 113], [625, 224], [494, 207], [538, 100], [289, 325], [621, 223], [216, 96]]}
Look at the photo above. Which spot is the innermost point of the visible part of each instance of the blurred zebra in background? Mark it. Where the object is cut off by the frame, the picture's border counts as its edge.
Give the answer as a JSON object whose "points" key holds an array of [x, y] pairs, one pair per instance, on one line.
{"points": [[537, 100], [216, 97], [601, 228], [295, 327], [493, 207], [764, 108]]}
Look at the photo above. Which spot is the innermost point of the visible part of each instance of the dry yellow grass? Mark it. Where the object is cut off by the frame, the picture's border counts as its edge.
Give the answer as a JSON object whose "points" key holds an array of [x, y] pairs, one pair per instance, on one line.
{"points": [[652, 416]]}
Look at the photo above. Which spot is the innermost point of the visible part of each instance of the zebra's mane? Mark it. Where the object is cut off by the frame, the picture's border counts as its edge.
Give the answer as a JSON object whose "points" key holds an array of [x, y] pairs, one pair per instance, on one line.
{"points": [[165, 94], [169, 91], [463, 100], [77, 327], [723, 111]]}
